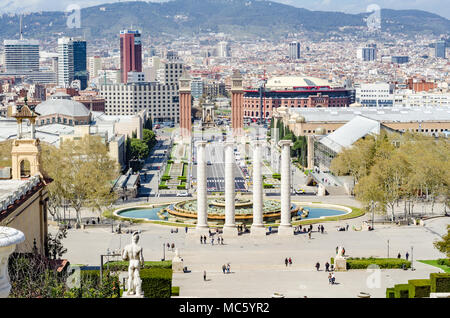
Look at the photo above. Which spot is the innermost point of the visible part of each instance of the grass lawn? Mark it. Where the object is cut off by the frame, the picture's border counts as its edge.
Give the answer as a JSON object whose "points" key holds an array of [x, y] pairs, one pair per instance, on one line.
{"points": [[434, 263]]}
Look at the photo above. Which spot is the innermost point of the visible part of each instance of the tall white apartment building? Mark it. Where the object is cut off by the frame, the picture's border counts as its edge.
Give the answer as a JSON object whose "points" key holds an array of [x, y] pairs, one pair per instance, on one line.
{"points": [[223, 49], [375, 95], [65, 62]]}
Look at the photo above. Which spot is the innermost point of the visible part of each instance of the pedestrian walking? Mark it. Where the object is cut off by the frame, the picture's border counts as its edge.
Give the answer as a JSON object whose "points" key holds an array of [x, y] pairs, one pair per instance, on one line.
{"points": [[168, 246], [329, 278], [309, 234], [399, 256], [221, 240], [327, 266], [212, 240], [204, 275], [173, 247], [407, 255], [317, 266], [228, 268], [321, 229], [290, 261], [286, 261], [224, 268], [333, 279], [337, 248], [186, 229], [201, 239], [346, 227]]}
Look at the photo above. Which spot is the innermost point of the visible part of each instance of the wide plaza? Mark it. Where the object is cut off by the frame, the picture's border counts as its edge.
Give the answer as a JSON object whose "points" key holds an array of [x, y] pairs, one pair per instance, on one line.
{"points": [[257, 264]]}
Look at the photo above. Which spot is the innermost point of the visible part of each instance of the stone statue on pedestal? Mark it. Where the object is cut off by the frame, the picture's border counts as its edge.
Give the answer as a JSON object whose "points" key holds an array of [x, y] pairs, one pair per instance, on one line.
{"points": [[340, 263], [133, 253]]}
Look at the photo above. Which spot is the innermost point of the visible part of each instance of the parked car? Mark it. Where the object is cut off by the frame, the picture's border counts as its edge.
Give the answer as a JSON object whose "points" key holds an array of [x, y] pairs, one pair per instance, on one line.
{"points": [[182, 194], [300, 191]]}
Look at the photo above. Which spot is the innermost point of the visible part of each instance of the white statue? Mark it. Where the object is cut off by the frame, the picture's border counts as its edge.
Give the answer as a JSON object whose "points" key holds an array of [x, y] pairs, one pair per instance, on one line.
{"points": [[340, 253], [133, 253]]}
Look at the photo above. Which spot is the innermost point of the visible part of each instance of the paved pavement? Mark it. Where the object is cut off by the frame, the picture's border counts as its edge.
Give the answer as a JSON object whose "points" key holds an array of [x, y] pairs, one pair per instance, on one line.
{"points": [[257, 265]]}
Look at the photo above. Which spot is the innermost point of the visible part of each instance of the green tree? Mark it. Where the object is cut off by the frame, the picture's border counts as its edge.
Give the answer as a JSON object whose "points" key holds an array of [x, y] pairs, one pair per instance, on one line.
{"points": [[82, 173], [149, 137], [139, 149], [443, 245]]}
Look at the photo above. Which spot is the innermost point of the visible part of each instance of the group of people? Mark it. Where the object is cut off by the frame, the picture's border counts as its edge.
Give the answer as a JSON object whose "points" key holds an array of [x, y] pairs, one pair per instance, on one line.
{"points": [[219, 240], [171, 246], [343, 228], [328, 267], [331, 279], [288, 261], [343, 250], [226, 268], [175, 230]]}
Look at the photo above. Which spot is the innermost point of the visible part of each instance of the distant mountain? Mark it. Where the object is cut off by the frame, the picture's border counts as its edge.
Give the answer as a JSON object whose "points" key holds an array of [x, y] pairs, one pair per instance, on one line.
{"points": [[184, 17]]}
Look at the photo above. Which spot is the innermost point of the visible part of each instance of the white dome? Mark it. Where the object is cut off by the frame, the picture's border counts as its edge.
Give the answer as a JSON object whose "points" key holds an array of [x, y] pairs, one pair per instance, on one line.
{"points": [[65, 107]]}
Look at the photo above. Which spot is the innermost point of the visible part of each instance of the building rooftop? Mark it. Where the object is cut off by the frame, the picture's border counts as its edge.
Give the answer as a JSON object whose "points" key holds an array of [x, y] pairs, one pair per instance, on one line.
{"points": [[289, 82], [62, 106], [352, 131], [383, 114]]}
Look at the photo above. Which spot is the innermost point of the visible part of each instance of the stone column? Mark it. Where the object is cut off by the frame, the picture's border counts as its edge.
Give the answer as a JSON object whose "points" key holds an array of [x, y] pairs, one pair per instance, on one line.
{"points": [[257, 228], [229, 228], [9, 238], [202, 205], [285, 227], [33, 128]]}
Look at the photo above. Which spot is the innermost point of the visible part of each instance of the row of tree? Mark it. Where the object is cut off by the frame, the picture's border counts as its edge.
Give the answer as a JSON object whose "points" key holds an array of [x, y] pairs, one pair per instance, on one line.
{"points": [[299, 149], [138, 149], [391, 167]]}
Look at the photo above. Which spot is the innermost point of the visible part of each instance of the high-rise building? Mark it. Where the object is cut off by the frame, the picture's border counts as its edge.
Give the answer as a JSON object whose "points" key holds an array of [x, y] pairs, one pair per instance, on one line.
{"points": [[223, 49], [130, 53], [294, 50], [94, 66], [368, 53], [439, 49], [21, 55], [170, 72], [375, 95], [65, 62], [80, 62], [72, 64], [197, 87]]}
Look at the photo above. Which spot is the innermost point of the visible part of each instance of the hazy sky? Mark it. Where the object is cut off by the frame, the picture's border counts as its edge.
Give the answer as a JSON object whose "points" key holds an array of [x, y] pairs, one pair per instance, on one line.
{"points": [[441, 7]]}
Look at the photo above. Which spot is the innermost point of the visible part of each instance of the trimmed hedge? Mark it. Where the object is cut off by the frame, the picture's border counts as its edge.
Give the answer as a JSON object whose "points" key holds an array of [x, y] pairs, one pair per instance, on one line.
{"points": [[165, 177], [156, 282], [267, 186], [390, 293], [182, 178], [163, 186], [175, 291], [122, 266], [440, 282], [182, 186], [276, 176], [401, 291], [363, 263], [419, 288]]}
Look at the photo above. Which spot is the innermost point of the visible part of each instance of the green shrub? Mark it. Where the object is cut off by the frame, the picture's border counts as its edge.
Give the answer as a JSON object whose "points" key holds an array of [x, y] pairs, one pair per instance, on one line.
{"points": [[91, 277], [390, 293], [181, 186], [182, 178], [163, 186], [122, 266], [332, 260], [267, 185], [440, 282], [276, 176], [401, 291], [175, 291], [444, 261], [156, 282], [419, 288], [363, 263], [169, 161], [165, 177]]}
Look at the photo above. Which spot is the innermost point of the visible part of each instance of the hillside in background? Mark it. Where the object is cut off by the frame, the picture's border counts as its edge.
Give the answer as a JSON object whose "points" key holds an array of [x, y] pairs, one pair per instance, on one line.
{"points": [[185, 17]]}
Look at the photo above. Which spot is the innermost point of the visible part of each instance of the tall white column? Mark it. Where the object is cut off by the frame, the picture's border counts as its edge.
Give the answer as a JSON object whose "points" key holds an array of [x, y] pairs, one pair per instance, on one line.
{"points": [[257, 228], [285, 227], [229, 228], [9, 238], [202, 205]]}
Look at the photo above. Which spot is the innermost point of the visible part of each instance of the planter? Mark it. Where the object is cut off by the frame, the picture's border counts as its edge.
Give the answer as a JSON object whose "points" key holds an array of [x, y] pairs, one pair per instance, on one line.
{"points": [[9, 238]]}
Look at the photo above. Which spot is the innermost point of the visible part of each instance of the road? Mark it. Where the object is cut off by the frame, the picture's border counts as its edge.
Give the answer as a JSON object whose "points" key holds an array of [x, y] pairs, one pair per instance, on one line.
{"points": [[215, 169]]}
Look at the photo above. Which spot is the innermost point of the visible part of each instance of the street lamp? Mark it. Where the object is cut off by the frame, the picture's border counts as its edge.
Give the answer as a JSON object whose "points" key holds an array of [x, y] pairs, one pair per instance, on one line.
{"points": [[372, 208], [388, 248], [164, 252], [412, 258]]}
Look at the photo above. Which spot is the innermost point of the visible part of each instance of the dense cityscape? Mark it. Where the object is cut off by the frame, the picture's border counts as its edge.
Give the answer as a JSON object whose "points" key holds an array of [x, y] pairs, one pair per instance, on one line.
{"points": [[308, 165]]}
